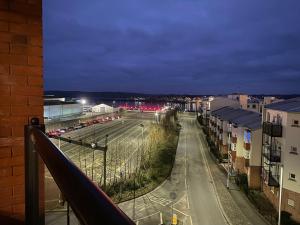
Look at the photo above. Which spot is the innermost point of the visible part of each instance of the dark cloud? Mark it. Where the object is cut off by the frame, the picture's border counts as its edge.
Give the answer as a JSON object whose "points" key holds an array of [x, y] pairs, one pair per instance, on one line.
{"points": [[173, 46]]}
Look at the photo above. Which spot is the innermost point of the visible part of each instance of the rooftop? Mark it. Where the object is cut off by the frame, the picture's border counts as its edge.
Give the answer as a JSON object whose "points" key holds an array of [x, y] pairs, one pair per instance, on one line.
{"points": [[240, 117], [57, 102], [290, 105]]}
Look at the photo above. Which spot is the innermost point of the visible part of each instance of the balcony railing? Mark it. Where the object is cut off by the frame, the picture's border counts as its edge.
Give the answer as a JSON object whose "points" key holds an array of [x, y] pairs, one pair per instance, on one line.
{"points": [[234, 140], [272, 154], [89, 203], [273, 180], [272, 129]]}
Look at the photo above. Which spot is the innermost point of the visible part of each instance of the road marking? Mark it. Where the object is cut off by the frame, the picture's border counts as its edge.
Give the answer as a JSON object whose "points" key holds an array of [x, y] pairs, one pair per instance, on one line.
{"points": [[187, 201], [161, 201], [145, 217], [177, 210]]}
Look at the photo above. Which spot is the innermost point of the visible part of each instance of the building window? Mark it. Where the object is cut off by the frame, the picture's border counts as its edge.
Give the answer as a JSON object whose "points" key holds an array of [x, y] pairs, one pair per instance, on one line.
{"points": [[292, 176], [254, 106], [294, 150], [291, 202], [295, 123]]}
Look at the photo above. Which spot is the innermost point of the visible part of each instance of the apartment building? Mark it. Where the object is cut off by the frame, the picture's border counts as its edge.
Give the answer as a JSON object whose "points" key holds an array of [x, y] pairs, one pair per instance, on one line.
{"points": [[238, 133], [241, 98], [211, 103], [257, 105], [254, 105], [281, 147]]}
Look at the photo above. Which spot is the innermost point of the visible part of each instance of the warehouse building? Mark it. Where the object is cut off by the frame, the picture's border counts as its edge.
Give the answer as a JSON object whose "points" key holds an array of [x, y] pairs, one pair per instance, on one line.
{"points": [[58, 109]]}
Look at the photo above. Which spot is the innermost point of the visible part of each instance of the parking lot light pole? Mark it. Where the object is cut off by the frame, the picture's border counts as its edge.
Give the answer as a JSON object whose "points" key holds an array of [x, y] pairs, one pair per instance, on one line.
{"points": [[142, 126], [104, 163], [280, 195]]}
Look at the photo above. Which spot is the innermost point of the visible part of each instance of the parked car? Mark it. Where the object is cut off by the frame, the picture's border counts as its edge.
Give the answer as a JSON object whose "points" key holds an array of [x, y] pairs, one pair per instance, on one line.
{"points": [[95, 121], [53, 134], [70, 129], [78, 127]]}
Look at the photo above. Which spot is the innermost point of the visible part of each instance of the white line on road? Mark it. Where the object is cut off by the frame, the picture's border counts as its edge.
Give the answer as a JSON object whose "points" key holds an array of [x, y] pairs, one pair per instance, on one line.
{"points": [[177, 210], [145, 217]]}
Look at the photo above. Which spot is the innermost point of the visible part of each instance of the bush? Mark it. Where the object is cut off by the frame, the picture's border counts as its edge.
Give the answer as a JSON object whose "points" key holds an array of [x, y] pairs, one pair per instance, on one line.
{"points": [[242, 182], [155, 168], [286, 219]]}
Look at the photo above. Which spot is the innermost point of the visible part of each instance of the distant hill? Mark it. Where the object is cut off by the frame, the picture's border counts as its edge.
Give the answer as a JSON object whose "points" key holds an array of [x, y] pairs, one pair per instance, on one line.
{"points": [[109, 95]]}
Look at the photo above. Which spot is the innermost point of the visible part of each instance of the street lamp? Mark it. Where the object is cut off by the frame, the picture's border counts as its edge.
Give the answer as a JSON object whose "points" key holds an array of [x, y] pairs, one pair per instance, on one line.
{"points": [[142, 151], [156, 117], [93, 145], [280, 194]]}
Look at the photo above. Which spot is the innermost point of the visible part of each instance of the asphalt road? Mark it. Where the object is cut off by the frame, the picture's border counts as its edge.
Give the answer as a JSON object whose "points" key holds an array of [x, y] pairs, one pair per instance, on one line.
{"points": [[189, 193]]}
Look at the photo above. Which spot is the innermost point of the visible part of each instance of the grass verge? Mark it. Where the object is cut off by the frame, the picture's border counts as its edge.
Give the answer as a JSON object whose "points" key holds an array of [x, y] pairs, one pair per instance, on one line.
{"points": [[155, 168]]}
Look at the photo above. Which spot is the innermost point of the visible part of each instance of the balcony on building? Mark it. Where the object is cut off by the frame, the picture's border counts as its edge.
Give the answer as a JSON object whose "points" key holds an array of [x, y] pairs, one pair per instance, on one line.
{"points": [[234, 140], [247, 146], [273, 179], [272, 153], [272, 129]]}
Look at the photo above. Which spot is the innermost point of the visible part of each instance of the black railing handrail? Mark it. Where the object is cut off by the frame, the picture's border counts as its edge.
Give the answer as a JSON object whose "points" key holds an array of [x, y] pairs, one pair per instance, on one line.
{"points": [[273, 123], [89, 203]]}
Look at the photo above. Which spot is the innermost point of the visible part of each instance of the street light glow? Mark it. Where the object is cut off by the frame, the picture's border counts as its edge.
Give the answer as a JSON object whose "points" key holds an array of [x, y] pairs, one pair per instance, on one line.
{"points": [[83, 101]]}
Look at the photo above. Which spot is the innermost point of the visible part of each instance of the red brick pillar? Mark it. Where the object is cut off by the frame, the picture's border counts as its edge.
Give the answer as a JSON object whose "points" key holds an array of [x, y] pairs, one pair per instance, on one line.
{"points": [[21, 96]]}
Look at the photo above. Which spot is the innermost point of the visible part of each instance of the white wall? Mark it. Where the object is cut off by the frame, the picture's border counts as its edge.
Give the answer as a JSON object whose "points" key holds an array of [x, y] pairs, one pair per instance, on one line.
{"points": [[290, 137], [256, 146], [55, 111], [291, 162]]}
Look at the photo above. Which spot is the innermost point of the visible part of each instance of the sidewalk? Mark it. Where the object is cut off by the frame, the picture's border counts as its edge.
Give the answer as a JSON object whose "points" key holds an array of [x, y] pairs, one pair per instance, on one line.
{"points": [[237, 207]]}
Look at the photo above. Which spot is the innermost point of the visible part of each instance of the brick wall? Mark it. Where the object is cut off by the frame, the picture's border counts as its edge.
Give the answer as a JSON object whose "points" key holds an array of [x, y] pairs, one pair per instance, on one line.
{"points": [[254, 175], [273, 196], [21, 95]]}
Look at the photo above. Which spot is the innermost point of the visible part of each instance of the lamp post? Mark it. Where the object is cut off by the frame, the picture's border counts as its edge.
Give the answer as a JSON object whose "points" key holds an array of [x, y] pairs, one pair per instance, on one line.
{"points": [[280, 194], [104, 163], [93, 145], [83, 102], [156, 117]]}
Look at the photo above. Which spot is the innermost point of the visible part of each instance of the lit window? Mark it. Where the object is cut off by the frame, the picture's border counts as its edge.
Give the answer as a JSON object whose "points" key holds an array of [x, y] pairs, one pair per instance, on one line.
{"points": [[294, 150], [292, 176]]}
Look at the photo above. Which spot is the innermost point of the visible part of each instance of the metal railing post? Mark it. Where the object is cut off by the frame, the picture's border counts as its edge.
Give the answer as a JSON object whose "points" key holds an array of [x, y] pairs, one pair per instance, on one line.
{"points": [[33, 214]]}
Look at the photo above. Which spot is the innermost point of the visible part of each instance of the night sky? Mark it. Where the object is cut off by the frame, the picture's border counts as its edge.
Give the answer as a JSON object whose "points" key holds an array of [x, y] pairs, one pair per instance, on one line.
{"points": [[173, 46]]}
